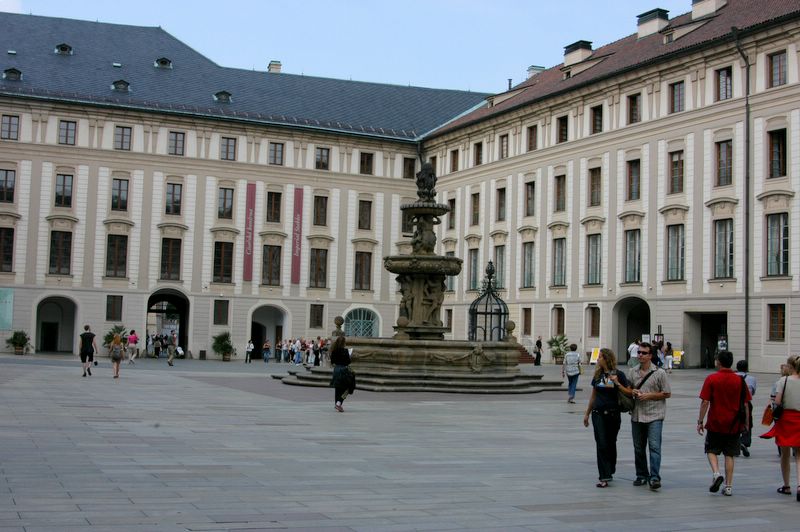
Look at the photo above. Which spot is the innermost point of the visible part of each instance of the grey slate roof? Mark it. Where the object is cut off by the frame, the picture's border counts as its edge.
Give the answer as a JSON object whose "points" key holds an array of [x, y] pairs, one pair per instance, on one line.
{"points": [[362, 108]]}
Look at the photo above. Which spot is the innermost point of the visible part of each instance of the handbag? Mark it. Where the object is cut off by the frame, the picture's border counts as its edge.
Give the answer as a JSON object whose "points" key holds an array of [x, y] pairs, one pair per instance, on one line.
{"points": [[767, 417], [777, 410], [626, 403]]}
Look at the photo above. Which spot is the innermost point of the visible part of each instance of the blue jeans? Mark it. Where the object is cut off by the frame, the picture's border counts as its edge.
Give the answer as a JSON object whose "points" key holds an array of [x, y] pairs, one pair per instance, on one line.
{"points": [[265, 354], [606, 427], [647, 435], [573, 384]]}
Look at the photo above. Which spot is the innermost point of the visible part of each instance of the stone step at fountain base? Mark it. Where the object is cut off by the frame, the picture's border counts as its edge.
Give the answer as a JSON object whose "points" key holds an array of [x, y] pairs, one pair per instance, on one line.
{"points": [[375, 380]]}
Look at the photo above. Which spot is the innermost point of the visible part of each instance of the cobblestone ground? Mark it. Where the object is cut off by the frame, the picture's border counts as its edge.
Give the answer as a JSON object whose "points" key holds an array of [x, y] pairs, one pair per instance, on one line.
{"points": [[213, 446]]}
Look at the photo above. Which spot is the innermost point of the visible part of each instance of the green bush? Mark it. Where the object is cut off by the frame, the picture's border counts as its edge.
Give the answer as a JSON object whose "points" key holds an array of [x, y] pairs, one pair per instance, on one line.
{"points": [[116, 329], [559, 345]]}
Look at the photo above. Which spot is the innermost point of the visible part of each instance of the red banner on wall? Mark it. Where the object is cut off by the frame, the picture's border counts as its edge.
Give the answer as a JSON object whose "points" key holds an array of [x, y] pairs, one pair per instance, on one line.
{"points": [[249, 228], [297, 234]]}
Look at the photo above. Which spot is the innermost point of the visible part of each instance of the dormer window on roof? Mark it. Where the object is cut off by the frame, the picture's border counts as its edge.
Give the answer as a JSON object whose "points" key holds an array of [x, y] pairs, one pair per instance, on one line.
{"points": [[162, 62], [121, 85], [222, 97], [12, 74], [63, 49]]}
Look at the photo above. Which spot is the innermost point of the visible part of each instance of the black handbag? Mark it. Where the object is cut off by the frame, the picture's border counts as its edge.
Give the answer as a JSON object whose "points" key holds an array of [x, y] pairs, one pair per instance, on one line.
{"points": [[777, 410]]}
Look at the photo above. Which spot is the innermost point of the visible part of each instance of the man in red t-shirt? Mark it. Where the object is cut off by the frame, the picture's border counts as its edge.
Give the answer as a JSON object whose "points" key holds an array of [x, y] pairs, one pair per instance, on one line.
{"points": [[724, 395]]}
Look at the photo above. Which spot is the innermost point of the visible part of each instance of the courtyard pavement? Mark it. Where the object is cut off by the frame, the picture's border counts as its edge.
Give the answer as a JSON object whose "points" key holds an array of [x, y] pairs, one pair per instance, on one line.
{"points": [[209, 446]]}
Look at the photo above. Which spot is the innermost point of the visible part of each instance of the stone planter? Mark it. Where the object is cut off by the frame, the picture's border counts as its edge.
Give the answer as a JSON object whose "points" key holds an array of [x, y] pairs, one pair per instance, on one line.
{"points": [[226, 357]]}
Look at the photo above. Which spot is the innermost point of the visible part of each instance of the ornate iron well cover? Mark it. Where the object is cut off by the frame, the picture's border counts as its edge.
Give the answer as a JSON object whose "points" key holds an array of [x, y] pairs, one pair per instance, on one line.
{"points": [[488, 314]]}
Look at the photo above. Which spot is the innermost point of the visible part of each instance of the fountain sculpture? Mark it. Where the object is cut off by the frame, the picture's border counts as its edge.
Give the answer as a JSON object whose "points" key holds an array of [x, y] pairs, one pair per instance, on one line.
{"points": [[417, 357]]}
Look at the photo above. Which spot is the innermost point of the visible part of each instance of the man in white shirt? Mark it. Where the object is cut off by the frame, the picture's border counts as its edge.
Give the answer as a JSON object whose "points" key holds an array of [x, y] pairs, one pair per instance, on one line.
{"points": [[633, 354]]}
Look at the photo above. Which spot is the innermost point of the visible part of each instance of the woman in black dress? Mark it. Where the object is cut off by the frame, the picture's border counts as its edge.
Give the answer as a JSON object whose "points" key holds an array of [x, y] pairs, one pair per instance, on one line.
{"points": [[604, 409], [344, 381]]}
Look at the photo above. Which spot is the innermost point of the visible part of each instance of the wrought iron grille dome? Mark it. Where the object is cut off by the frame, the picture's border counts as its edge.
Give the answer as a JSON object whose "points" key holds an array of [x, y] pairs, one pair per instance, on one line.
{"points": [[488, 314]]}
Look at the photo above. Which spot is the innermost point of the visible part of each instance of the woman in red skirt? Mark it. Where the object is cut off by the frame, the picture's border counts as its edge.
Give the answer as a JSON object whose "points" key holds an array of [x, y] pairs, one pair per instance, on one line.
{"points": [[786, 430]]}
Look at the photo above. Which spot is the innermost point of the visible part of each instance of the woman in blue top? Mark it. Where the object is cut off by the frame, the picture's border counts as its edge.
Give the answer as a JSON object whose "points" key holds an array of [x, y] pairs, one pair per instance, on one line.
{"points": [[604, 409]]}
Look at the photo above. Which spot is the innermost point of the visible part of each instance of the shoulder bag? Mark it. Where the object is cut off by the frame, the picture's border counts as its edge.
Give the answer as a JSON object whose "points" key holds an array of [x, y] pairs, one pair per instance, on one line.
{"points": [[626, 403], [777, 410]]}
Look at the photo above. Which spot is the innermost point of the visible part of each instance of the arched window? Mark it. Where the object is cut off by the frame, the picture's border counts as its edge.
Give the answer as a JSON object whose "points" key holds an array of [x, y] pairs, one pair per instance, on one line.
{"points": [[361, 322]]}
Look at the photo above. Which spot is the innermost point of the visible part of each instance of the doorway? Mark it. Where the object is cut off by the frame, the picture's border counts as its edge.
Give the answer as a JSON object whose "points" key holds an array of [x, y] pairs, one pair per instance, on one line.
{"points": [[167, 311], [267, 324], [701, 331], [631, 319], [55, 325]]}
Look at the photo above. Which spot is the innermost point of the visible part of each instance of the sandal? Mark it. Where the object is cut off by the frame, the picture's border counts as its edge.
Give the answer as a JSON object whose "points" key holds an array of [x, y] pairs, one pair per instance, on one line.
{"points": [[786, 490], [602, 484]]}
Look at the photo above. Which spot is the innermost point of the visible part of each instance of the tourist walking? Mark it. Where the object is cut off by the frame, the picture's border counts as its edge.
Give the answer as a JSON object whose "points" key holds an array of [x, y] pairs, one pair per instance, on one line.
{"points": [[746, 437], [633, 353], [604, 410], [786, 429], [266, 351], [248, 352], [650, 391], [157, 346], [722, 395], [669, 357], [172, 343], [87, 347], [343, 381], [131, 344], [116, 351], [571, 368], [537, 352]]}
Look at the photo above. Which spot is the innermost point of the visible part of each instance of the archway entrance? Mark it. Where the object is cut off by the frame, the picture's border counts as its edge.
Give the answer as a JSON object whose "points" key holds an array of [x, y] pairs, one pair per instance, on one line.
{"points": [[267, 324], [631, 319], [361, 322], [55, 325], [168, 310]]}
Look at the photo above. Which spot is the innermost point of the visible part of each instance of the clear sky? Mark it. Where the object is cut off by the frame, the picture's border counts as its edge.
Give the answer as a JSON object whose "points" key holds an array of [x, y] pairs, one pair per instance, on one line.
{"points": [[454, 44]]}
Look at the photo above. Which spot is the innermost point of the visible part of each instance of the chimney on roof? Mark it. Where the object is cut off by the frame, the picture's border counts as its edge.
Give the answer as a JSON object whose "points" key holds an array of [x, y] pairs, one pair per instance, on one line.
{"points": [[577, 52], [534, 70], [702, 8], [274, 67], [652, 22]]}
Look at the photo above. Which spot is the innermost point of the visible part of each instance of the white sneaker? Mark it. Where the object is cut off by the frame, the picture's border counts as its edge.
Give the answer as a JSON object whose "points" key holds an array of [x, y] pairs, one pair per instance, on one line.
{"points": [[727, 490]]}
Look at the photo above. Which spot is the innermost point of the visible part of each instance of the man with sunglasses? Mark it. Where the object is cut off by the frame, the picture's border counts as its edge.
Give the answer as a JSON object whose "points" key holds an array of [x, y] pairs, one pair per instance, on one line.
{"points": [[650, 391]]}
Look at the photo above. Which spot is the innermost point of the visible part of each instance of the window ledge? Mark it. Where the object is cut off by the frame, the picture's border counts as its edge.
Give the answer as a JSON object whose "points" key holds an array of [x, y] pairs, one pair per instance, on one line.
{"points": [[592, 285], [773, 341], [271, 285], [221, 283], [528, 288], [363, 290], [58, 276], [171, 281], [775, 278], [112, 278], [631, 283], [557, 286], [8, 274], [674, 281], [722, 280]]}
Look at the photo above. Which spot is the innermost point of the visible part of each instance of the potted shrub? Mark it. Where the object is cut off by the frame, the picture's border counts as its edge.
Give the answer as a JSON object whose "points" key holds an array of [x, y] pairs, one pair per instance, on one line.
{"points": [[222, 345], [116, 329], [20, 341], [558, 345]]}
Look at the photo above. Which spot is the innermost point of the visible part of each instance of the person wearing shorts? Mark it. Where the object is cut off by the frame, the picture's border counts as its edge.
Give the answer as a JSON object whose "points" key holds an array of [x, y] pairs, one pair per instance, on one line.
{"points": [[87, 348], [724, 395]]}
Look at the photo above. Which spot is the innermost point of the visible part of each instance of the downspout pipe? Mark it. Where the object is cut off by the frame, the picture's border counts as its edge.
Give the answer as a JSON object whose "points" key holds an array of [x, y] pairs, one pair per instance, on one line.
{"points": [[736, 37]]}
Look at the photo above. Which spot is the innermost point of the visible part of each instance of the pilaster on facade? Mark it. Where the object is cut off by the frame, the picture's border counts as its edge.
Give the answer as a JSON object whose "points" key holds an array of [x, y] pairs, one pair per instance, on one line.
{"points": [[43, 241], [103, 192], [22, 265], [333, 258]]}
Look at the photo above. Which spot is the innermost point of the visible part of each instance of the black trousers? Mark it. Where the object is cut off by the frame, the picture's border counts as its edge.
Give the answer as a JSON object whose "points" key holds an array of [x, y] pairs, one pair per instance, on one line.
{"points": [[606, 427]]}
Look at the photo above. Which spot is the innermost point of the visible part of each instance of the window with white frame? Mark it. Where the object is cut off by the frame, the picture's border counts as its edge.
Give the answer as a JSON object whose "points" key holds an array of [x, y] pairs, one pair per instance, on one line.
{"points": [[594, 259], [474, 269], [559, 261], [723, 248], [633, 256], [675, 252], [778, 244], [528, 265], [500, 266]]}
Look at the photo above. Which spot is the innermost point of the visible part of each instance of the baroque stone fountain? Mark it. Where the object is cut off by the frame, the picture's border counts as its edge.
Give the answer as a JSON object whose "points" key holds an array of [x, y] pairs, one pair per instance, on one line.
{"points": [[417, 357]]}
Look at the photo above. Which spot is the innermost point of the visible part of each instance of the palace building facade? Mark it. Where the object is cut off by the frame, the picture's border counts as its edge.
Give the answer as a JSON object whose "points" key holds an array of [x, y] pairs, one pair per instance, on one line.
{"points": [[640, 187]]}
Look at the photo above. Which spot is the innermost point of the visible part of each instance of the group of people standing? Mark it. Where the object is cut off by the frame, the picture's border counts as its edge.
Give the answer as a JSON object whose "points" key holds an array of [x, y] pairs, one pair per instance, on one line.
{"points": [[724, 418], [664, 354], [294, 351]]}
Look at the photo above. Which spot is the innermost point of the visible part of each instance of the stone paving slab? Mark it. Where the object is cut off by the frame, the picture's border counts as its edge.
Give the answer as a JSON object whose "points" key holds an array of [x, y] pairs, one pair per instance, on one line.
{"points": [[214, 446]]}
